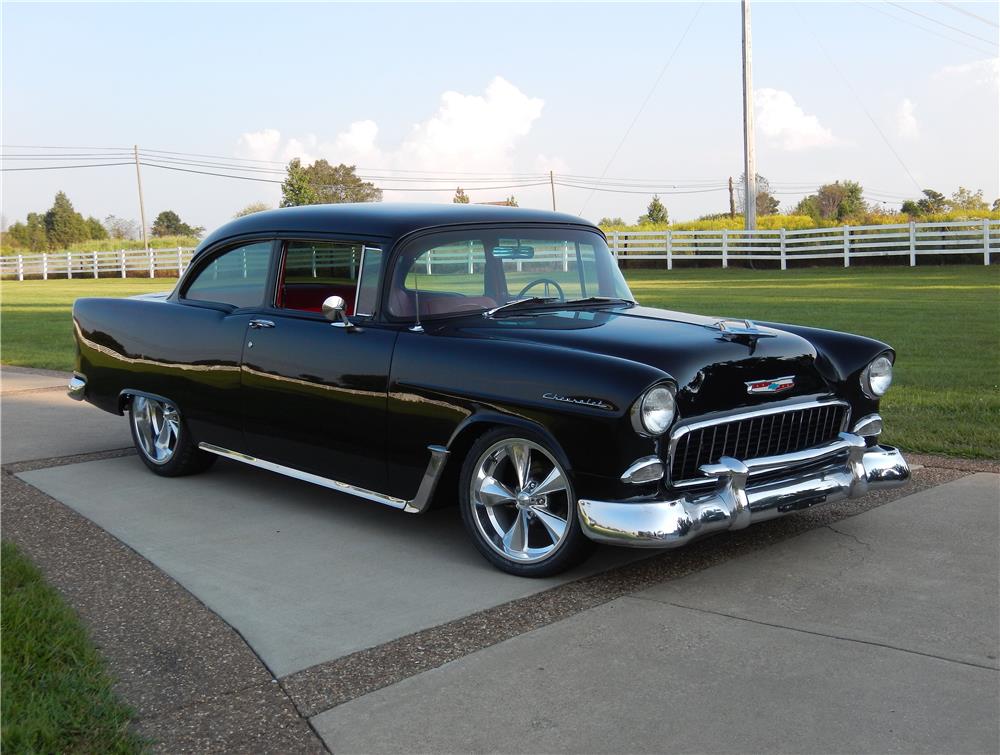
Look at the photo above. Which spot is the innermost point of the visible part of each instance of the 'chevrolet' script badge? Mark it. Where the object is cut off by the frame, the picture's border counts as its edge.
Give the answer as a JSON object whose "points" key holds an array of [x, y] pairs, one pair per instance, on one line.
{"points": [[770, 386]]}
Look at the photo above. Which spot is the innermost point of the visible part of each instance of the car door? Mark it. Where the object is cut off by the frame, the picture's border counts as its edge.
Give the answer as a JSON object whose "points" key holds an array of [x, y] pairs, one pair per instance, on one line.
{"points": [[314, 392], [202, 340]]}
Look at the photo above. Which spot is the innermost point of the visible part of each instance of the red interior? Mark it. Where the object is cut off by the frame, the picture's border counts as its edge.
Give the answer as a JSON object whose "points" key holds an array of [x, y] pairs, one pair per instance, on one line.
{"points": [[309, 297]]}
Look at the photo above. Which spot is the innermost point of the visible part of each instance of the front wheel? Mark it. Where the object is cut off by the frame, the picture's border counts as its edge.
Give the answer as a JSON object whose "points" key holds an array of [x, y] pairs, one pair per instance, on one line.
{"points": [[162, 440], [518, 505]]}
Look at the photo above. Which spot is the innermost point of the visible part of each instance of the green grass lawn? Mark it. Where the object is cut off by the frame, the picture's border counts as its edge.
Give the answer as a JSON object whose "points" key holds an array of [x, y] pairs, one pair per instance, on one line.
{"points": [[944, 323], [57, 696]]}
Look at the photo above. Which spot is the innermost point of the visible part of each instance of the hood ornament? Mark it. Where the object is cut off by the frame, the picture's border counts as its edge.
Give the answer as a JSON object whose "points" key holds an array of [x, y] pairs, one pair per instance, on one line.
{"points": [[734, 330], [775, 385]]}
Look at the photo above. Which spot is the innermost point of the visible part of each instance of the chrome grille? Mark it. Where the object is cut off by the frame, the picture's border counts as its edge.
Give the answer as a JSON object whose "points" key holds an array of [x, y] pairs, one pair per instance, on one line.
{"points": [[755, 435]]}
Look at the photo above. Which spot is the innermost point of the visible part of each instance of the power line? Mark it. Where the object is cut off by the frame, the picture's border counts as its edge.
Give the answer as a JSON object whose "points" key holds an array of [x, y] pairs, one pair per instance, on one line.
{"points": [[936, 33], [65, 167], [968, 13], [942, 23], [645, 101], [860, 102]]}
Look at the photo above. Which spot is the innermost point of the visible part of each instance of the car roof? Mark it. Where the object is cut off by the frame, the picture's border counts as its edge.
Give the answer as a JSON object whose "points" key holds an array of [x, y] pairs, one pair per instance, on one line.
{"points": [[389, 220]]}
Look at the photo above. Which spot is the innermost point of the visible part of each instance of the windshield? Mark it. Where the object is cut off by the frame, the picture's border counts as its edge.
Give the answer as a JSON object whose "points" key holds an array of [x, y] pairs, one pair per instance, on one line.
{"points": [[485, 268]]}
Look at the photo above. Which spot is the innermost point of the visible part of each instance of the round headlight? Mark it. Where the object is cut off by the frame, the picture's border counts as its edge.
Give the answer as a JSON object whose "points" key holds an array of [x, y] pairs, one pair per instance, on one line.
{"points": [[654, 412], [877, 377]]}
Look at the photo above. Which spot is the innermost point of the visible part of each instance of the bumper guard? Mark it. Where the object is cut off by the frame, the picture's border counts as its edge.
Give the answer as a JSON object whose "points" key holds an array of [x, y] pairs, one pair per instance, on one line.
{"points": [[851, 469]]}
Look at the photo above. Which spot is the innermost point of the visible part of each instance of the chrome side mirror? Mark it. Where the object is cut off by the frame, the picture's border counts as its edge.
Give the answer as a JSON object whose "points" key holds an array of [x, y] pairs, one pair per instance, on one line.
{"points": [[333, 310]]}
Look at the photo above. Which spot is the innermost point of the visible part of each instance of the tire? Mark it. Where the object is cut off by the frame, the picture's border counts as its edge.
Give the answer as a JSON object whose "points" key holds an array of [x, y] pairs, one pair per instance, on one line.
{"points": [[518, 505], [162, 441]]}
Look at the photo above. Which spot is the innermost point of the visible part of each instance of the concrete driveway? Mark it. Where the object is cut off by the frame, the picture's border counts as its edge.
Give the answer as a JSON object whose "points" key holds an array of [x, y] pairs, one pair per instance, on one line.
{"points": [[815, 633]]}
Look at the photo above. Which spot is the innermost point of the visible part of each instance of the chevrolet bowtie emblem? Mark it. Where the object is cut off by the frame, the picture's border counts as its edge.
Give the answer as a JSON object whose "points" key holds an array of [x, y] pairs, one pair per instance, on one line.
{"points": [[775, 385]]}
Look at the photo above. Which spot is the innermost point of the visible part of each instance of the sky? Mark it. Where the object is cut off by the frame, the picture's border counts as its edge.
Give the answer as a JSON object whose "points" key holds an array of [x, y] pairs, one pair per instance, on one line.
{"points": [[899, 96]]}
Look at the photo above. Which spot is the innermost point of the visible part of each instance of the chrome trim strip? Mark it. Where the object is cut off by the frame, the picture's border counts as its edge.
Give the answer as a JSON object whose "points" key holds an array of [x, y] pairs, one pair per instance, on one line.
{"points": [[682, 429], [640, 465], [733, 503], [77, 388], [869, 426], [415, 505]]}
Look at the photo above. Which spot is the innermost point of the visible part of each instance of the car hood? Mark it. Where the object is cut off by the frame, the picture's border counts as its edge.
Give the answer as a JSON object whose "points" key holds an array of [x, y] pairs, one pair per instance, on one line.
{"points": [[711, 371]]}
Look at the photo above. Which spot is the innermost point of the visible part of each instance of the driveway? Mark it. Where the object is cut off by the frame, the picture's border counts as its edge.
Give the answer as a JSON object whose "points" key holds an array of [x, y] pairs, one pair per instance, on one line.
{"points": [[867, 625]]}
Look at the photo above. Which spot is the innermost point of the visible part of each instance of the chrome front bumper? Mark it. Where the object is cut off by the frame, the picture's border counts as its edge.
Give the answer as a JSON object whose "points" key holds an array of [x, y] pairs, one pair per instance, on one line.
{"points": [[843, 468]]}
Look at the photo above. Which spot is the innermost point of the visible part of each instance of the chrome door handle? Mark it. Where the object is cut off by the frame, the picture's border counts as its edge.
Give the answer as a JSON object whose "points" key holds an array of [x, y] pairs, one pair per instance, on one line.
{"points": [[258, 324]]}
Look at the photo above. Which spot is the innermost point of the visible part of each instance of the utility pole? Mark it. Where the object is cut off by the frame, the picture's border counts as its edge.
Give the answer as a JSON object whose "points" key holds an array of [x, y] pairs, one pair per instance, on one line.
{"points": [[142, 204], [552, 185], [750, 160], [732, 199]]}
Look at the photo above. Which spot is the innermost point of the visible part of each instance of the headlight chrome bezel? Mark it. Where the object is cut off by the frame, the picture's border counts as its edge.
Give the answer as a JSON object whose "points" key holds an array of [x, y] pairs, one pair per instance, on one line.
{"points": [[640, 410], [870, 383]]}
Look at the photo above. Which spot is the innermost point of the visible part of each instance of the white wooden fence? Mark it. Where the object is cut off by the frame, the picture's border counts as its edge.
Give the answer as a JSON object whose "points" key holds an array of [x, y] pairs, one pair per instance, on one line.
{"points": [[847, 243], [118, 264]]}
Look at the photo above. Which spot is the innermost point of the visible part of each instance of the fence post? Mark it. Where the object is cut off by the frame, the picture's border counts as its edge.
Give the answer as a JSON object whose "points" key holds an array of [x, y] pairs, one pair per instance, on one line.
{"points": [[121, 261], [93, 260], [725, 248], [847, 246], [472, 264], [45, 266], [913, 244], [565, 256], [152, 263], [784, 259], [670, 250], [986, 241], [614, 246], [180, 262], [20, 267], [69, 265]]}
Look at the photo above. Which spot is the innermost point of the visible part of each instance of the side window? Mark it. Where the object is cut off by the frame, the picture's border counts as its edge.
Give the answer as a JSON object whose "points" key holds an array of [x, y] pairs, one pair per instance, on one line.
{"points": [[371, 267], [314, 270], [237, 277]]}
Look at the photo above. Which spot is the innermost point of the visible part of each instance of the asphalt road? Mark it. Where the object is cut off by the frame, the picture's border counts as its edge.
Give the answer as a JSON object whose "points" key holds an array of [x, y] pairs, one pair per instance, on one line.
{"points": [[878, 633]]}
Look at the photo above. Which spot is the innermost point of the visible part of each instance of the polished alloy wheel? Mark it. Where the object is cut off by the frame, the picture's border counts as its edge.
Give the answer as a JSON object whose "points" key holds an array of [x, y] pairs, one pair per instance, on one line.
{"points": [[157, 428], [521, 501]]}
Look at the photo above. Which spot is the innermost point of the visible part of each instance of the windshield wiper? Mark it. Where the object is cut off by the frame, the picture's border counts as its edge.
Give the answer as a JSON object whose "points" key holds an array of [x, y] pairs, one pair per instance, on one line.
{"points": [[533, 301], [554, 302]]}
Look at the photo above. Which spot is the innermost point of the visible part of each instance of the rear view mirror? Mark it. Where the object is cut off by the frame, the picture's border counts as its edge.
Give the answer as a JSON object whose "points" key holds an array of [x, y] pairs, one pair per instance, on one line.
{"points": [[333, 310], [519, 252]]}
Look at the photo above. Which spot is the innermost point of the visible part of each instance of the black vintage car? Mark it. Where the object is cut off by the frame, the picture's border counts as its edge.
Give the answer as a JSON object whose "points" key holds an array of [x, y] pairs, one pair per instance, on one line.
{"points": [[418, 354]]}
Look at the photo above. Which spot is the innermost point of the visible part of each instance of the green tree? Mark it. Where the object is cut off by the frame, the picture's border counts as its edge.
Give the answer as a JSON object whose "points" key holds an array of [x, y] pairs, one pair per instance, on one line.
{"points": [[63, 224], [251, 208], [963, 199], [996, 205], [767, 203], [656, 212], [511, 201], [605, 222], [840, 200], [30, 235], [460, 196], [95, 230], [322, 183], [932, 202], [169, 223]]}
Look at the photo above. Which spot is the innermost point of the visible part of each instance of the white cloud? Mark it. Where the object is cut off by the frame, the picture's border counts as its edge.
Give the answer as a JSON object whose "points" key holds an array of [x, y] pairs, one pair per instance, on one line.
{"points": [[784, 123], [978, 72], [906, 120], [468, 132]]}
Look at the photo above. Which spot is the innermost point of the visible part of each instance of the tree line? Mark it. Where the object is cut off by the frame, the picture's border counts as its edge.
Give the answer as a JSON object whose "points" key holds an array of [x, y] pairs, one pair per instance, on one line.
{"points": [[61, 226]]}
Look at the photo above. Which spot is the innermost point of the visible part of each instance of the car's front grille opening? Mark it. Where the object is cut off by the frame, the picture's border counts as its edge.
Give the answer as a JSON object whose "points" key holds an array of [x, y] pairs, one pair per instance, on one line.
{"points": [[752, 437]]}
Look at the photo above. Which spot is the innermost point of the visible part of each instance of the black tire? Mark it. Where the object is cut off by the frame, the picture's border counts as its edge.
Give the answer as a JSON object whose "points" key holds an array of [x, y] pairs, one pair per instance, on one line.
{"points": [[537, 552], [180, 455]]}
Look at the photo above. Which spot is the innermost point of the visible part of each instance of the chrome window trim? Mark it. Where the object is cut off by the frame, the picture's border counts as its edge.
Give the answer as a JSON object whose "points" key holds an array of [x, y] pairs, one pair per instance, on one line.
{"points": [[361, 273], [683, 428], [416, 505]]}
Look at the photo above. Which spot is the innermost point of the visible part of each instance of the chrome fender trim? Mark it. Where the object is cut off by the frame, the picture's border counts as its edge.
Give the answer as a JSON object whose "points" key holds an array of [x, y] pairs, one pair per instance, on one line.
{"points": [[734, 504], [77, 388], [416, 505]]}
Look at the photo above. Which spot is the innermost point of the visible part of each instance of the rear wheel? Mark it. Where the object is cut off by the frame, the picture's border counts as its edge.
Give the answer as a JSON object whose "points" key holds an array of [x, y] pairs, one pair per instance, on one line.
{"points": [[161, 439], [518, 505]]}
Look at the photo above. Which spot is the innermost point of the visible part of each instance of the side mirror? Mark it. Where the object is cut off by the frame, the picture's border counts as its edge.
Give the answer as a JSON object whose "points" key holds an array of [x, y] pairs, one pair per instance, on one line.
{"points": [[333, 310]]}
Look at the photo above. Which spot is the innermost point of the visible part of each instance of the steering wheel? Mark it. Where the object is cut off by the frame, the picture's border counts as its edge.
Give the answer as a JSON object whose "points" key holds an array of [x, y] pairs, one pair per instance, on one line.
{"points": [[546, 281]]}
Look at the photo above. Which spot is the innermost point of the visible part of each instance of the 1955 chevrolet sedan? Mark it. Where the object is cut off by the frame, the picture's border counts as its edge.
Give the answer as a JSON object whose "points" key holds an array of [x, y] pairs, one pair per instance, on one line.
{"points": [[418, 354]]}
